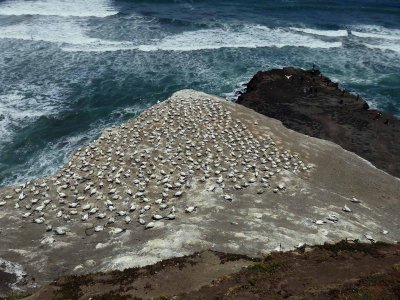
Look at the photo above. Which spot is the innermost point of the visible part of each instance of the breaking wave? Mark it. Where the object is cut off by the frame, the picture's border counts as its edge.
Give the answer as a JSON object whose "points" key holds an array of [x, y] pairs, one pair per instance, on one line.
{"points": [[328, 33], [254, 36], [63, 8], [375, 32]]}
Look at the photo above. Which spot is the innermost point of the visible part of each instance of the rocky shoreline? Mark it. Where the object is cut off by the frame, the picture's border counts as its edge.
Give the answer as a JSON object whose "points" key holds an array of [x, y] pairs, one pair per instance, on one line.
{"points": [[308, 102]]}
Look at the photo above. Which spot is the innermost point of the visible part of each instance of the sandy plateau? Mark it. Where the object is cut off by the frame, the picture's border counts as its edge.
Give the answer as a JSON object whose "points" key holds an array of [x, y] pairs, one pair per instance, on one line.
{"points": [[192, 173]]}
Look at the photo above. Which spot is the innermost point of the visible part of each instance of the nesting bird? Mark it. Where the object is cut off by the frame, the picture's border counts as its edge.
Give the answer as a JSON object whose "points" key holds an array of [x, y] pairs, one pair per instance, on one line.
{"points": [[136, 171]]}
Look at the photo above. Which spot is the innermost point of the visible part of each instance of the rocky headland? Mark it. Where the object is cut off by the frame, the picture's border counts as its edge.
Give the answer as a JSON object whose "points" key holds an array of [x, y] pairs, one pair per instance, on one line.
{"points": [[310, 103], [191, 174]]}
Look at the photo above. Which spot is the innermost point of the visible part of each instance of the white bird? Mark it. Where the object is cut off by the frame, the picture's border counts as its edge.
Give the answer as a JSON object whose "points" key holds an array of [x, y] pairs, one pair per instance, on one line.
{"points": [[150, 225], [86, 207], [99, 228], [101, 216], [368, 237], [332, 218], [39, 220], [346, 209], [190, 209], [93, 211], [25, 215], [288, 76], [178, 194], [116, 230], [170, 216], [60, 231]]}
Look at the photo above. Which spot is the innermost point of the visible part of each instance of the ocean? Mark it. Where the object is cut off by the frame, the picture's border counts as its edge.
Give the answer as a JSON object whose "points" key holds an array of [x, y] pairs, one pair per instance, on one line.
{"points": [[71, 68]]}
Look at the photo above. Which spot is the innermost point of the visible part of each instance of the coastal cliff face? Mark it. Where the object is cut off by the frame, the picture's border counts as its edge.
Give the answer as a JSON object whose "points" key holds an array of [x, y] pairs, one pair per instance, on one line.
{"points": [[310, 103], [192, 173]]}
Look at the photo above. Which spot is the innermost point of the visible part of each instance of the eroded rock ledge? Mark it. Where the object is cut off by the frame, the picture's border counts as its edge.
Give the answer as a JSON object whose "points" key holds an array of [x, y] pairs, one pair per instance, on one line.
{"points": [[310, 103]]}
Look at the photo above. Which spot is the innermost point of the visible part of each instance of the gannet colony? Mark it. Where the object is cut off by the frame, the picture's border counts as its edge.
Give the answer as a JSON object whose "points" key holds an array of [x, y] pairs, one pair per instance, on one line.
{"points": [[194, 172]]}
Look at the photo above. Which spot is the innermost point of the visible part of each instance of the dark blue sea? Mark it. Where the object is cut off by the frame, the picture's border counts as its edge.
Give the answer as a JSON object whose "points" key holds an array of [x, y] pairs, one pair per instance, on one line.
{"points": [[70, 68]]}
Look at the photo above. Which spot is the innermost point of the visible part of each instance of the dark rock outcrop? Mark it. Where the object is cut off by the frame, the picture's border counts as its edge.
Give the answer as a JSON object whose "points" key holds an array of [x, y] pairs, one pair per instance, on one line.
{"points": [[310, 103]]}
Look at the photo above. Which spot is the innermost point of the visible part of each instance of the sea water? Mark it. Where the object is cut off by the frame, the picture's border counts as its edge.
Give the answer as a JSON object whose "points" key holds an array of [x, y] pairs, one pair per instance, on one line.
{"points": [[70, 68]]}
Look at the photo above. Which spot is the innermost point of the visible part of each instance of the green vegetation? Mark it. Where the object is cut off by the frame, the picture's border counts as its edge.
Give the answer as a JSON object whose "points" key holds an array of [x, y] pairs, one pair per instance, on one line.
{"points": [[16, 296], [70, 287], [112, 296], [322, 258], [268, 265], [355, 246], [397, 267]]}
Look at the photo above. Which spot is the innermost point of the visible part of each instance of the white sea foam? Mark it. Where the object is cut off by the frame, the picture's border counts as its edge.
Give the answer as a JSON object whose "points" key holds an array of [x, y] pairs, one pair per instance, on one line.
{"points": [[55, 154], [375, 32], [52, 156], [375, 35], [18, 110], [51, 29], [247, 37], [328, 33], [64, 8], [395, 47], [73, 35]]}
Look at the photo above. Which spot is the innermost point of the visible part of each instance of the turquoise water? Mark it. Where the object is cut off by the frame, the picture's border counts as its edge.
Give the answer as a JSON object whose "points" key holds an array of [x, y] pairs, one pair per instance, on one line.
{"points": [[68, 69]]}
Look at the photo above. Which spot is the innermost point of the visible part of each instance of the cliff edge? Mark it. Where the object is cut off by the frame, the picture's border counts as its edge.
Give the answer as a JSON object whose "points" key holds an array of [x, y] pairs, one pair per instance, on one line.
{"points": [[192, 173]]}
